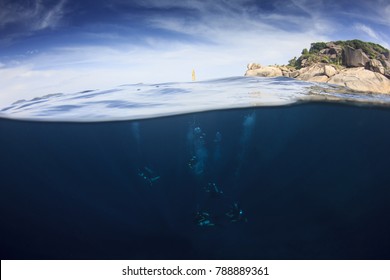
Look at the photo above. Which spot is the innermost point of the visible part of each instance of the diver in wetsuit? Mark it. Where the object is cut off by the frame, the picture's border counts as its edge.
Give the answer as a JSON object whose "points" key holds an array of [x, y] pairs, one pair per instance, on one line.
{"points": [[236, 214], [213, 190], [203, 218]]}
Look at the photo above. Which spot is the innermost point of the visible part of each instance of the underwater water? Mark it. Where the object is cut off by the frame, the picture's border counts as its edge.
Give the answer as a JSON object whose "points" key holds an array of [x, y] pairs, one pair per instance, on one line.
{"points": [[307, 180]]}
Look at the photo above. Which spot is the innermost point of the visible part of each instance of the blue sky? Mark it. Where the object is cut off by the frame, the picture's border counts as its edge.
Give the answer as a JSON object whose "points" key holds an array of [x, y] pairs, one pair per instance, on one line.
{"points": [[51, 46]]}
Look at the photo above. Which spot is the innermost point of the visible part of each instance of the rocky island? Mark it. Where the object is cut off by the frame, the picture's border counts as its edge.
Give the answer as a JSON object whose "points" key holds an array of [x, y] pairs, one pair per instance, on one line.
{"points": [[358, 65]]}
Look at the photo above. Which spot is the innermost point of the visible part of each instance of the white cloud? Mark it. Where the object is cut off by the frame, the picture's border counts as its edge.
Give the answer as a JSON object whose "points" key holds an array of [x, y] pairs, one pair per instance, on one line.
{"points": [[382, 12], [234, 36], [32, 15], [75, 69], [386, 12], [52, 17], [375, 12], [367, 30], [235, 16], [378, 37]]}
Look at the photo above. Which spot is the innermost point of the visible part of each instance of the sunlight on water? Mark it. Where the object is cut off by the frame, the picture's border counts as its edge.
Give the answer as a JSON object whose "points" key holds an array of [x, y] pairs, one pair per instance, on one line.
{"points": [[140, 101]]}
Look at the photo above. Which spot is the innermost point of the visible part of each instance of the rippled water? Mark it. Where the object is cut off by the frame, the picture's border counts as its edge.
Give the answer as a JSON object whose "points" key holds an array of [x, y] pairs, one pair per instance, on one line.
{"points": [[138, 101]]}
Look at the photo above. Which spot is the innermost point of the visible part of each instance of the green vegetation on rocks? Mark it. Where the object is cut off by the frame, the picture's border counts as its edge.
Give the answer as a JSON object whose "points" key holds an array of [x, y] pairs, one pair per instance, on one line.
{"points": [[371, 49], [315, 48], [351, 53], [357, 65]]}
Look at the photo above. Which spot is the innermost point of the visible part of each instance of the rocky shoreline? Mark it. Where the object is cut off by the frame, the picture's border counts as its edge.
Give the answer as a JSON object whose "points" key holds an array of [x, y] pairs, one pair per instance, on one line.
{"points": [[364, 69]]}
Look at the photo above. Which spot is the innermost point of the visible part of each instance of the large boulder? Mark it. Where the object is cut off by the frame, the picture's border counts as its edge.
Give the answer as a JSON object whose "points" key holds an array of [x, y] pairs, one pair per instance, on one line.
{"points": [[294, 74], [330, 70], [358, 65], [336, 50], [317, 73], [357, 78], [286, 71], [308, 73], [319, 79], [268, 71], [386, 64], [354, 58], [360, 79], [253, 66], [387, 54], [375, 66]]}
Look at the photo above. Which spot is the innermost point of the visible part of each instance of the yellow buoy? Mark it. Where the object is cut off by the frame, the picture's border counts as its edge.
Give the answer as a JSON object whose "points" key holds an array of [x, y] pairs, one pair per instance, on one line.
{"points": [[193, 75]]}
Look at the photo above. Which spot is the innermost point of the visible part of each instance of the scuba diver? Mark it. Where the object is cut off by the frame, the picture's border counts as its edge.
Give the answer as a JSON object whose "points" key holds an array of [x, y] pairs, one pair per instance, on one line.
{"points": [[236, 214], [202, 219], [148, 175], [192, 162], [213, 190]]}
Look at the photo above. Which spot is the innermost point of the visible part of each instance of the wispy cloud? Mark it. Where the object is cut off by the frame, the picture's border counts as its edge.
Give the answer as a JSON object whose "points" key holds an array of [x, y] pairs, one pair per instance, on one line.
{"points": [[31, 16], [239, 16], [367, 30], [378, 37], [375, 12], [51, 17], [217, 38], [378, 12], [230, 26], [75, 69], [226, 36]]}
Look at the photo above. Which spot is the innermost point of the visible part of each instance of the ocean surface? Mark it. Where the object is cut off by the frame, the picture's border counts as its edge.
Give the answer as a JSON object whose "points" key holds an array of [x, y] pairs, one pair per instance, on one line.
{"points": [[236, 168]]}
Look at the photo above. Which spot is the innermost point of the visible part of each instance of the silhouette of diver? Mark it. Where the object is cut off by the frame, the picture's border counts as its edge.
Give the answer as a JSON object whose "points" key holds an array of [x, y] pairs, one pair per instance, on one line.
{"points": [[148, 175], [192, 162], [236, 214], [203, 218], [213, 190]]}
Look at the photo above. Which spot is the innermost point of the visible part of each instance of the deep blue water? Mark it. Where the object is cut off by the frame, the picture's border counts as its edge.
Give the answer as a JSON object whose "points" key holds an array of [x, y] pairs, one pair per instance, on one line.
{"points": [[312, 180]]}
